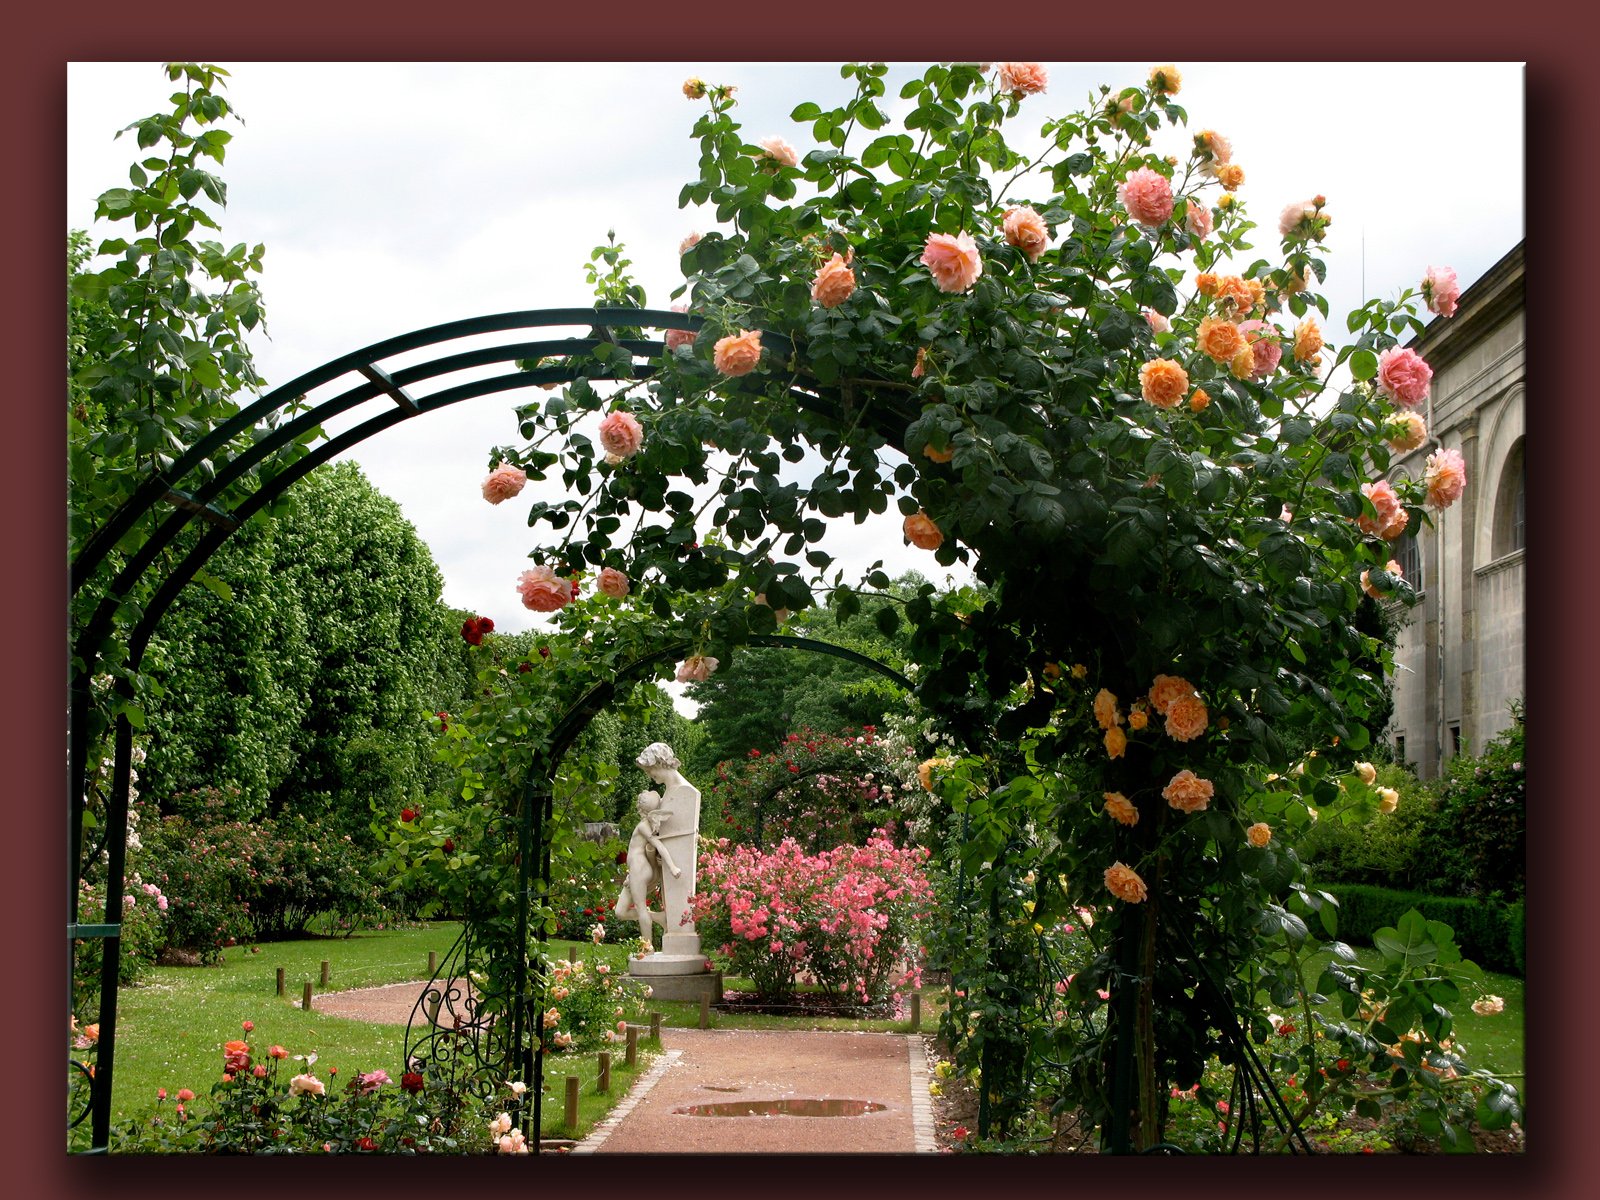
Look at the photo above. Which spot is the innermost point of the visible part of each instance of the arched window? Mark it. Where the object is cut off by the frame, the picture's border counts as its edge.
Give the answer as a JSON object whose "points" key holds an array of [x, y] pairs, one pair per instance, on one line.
{"points": [[1510, 507]]}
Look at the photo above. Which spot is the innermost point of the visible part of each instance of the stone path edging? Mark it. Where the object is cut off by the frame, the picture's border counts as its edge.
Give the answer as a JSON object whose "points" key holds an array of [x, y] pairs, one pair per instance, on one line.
{"points": [[922, 1125], [639, 1090]]}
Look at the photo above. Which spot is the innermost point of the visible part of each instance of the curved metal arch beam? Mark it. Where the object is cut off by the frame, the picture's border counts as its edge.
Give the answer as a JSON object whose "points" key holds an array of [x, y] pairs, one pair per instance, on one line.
{"points": [[151, 492]]}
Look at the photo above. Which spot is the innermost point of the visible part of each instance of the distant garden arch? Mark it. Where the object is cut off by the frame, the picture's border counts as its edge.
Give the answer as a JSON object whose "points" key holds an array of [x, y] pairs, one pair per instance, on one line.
{"points": [[187, 490]]}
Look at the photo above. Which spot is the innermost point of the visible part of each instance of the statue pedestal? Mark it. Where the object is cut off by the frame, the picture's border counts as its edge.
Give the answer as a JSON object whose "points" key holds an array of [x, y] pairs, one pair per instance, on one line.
{"points": [[678, 971]]}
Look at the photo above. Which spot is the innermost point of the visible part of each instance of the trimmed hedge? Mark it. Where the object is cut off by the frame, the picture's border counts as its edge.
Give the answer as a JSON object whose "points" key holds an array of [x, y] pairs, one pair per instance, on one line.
{"points": [[1489, 933]]}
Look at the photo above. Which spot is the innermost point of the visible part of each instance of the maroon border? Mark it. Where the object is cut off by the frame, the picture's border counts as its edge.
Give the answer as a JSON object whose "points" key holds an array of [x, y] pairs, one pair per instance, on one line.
{"points": [[1561, 137]]}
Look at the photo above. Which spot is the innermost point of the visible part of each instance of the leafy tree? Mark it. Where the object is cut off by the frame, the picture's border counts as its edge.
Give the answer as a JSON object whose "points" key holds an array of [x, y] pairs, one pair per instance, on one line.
{"points": [[766, 693]]}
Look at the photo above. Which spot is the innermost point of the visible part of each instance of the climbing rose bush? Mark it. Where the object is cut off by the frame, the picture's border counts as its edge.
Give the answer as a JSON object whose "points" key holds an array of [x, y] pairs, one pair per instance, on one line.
{"points": [[851, 917]]}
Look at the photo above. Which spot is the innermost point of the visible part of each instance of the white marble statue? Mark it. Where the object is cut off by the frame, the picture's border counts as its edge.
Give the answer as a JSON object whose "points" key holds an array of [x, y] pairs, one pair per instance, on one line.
{"points": [[662, 853]]}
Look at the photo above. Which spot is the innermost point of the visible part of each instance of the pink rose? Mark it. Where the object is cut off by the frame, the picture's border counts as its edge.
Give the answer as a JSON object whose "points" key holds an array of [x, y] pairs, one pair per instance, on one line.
{"points": [[1293, 216], [1406, 432], [621, 434], [1023, 78], [1026, 230], [1264, 346], [612, 582], [1218, 149], [1147, 195], [1446, 477], [780, 151], [1441, 291], [1366, 580], [697, 668], [1403, 376], [1197, 220], [673, 338], [543, 590], [688, 244], [834, 282], [1385, 503], [504, 482], [952, 261], [1157, 322], [738, 353]]}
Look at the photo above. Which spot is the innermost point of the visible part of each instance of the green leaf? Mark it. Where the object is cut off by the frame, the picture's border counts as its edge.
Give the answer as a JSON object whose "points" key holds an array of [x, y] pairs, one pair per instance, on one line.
{"points": [[213, 585], [1363, 364]]}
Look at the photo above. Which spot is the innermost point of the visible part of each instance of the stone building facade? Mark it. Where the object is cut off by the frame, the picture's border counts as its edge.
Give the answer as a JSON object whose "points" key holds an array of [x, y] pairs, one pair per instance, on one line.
{"points": [[1460, 657]]}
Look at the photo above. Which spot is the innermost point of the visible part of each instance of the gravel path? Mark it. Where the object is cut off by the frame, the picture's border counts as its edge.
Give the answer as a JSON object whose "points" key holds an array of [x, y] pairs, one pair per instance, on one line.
{"points": [[731, 1066]]}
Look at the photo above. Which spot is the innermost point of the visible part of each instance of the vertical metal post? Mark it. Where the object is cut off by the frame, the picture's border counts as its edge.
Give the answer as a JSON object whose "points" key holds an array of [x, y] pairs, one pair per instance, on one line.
{"points": [[111, 956], [1123, 1035]]}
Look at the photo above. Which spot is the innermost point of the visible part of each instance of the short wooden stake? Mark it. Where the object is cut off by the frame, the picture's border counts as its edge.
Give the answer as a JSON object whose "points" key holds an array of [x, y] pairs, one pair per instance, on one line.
{"points": [[603, 1083], [916, 1011], [632, 1055], [705, 1011], [433, 963], [305, 996], [324, 982], [572, 1101], [280, 981], [655, 1027], [433, 1009], [572, 954]]}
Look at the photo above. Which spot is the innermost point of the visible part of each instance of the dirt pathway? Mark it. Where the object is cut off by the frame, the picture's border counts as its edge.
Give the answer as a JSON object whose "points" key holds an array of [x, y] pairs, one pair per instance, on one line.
{"points": [[758, 1068]]}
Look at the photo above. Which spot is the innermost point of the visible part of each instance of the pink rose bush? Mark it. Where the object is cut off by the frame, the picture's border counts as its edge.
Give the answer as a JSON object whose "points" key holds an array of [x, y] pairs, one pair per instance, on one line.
{"points": [[953, 261], [1387, 510], [1147, 195], [852, 917], [503, 483], [1403, 376]]}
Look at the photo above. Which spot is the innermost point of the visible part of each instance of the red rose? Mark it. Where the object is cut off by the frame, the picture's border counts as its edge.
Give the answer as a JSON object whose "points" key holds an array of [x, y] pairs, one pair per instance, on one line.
{"points": [[524, 667], [449, 846], [411, 1081], [544, 651], [622, 856], [408, 814], [472, 633], [366, 1143]]}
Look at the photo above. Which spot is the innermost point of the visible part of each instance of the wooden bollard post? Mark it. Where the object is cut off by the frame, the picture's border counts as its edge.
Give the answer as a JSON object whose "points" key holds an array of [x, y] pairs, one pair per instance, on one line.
{"points": [[324, 982], [572, 1101], [632, 1055], [305, 996], [433, 963], [433, 1009], [280, 981], [916, 1011], [603, 1083], [655, 1027], [705, 1011], [572, 954]]}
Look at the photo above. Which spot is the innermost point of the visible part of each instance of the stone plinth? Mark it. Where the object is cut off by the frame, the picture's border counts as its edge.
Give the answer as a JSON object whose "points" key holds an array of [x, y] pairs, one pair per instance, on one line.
{"points": [[692, 988]]}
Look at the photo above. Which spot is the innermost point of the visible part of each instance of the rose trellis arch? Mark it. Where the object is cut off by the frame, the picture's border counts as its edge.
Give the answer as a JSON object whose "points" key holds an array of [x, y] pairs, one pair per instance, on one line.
{"points": [[128, 597]]}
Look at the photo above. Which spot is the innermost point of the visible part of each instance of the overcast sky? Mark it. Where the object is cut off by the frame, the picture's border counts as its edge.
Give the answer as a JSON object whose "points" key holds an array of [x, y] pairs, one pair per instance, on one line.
{"points": [[392, 196]]}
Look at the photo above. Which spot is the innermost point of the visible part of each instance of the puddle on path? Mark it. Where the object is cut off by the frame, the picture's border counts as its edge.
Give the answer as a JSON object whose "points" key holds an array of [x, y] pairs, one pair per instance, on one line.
{"points": [[782, 1108], [711, 1087]]}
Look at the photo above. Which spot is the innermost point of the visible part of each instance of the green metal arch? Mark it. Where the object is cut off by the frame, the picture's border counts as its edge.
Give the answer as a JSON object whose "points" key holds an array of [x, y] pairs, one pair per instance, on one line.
{"points": [[193, 492]]}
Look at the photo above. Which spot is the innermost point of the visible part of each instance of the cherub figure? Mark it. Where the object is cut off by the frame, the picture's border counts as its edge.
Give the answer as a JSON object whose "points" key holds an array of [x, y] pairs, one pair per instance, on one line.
{"points": [[646, 857]]}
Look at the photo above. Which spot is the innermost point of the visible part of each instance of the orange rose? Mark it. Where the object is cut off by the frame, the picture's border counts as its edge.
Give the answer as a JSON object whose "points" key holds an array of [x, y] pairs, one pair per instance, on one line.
{"points": [[1121, 809], [1199, 400], [1163, 382], [1187, 718], [1105, 710], [834, 283], [738, 353], [1220, 339], [1206, 282], [1116, 742], [1187, 792], [1166, 689], [1165, 78], [1230, 176], [921, 532], [1259, 834], [1124, 883], [1243, 363], [1307, 340], [1138, 718]]}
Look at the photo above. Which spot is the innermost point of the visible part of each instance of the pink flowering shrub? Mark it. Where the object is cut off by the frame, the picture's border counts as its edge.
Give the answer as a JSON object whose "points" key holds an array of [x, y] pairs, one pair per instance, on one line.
{"points": [[851, 916]]}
